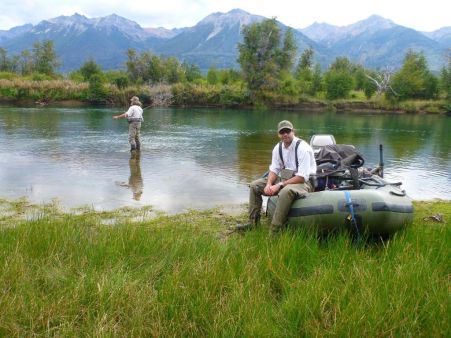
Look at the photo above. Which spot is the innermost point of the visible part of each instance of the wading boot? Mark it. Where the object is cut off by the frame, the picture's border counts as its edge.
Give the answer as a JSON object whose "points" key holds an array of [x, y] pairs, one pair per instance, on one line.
{"points": [[253, 223]]}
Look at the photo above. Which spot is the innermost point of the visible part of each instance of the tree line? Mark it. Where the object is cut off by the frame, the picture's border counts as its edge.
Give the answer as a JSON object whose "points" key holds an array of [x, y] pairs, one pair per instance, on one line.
{"points": [[269, 72]]}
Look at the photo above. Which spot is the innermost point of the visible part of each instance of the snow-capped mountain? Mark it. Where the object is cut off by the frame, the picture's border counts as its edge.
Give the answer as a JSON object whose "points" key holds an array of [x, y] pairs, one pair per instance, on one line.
{"points": [[442, 36], [329, 34], [374, 42]]}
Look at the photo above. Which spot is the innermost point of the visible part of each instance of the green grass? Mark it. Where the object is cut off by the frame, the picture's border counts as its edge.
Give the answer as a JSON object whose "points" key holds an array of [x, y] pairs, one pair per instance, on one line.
{"points": [[72, 274]]}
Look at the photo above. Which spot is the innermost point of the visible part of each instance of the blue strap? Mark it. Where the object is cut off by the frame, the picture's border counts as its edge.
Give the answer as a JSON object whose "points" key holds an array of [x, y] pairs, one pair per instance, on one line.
{"points": [[351, 210]]}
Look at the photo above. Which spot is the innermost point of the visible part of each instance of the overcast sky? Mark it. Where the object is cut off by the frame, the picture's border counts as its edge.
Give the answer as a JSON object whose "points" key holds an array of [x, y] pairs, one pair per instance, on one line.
{"points": [[421, 15]]}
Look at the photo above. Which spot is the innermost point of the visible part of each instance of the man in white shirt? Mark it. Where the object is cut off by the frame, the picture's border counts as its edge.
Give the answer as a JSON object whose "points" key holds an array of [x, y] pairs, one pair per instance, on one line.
{"points": [[293, 161], [134, 115]]}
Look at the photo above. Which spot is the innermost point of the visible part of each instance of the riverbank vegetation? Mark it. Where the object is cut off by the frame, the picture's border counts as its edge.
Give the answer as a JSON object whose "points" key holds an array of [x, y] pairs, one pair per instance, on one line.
{"points": [[269, 75], [123, 273]]}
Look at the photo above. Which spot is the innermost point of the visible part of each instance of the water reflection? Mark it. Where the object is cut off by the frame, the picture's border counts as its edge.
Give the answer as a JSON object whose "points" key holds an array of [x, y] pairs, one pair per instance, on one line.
{"points": [[135, 181]]}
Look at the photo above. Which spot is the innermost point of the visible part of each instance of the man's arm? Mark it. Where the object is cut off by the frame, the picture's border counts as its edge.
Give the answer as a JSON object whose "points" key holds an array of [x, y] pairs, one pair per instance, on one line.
{"points": [[277, 187], [295, 180], [120, 116], [124, 115]]}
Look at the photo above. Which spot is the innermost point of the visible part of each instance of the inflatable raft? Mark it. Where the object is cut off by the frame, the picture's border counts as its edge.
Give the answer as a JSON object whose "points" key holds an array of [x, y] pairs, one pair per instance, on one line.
{"points": [[359, 201]]}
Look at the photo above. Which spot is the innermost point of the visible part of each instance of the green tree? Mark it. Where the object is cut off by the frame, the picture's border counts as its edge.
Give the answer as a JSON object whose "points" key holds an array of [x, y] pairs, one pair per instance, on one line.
{"points": [[338, 79], [414, 80], [338, 84], [287, 54], [173, 71], [14, 64], [26, 65], [155, 69], [4, 62], [262, 59], [192, 72], [213, 76], [342, 64], [44, 57], [142, 66], [90, 68], [233, 76], [131, 64], [8, 64], [304, 73], [305, 61], [118, 78], [445, 78], [229, 76], [362, 82], [148, 67], [96, 90], [317, 80]]}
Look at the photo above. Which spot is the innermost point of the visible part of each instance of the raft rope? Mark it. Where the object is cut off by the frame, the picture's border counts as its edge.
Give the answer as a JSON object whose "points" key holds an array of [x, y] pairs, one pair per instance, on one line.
{"points": [[351, 211]]}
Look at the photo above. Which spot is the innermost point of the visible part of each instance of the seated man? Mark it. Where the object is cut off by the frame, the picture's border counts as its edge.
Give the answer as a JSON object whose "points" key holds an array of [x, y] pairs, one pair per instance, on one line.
{"points": [[292, 164]]}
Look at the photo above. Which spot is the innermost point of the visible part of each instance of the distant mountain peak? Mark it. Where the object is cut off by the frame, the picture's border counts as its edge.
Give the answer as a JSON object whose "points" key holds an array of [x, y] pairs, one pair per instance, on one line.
{"points": [[238, 11], [320, 31], [222, 21], [376, 17], [63, 19], [321, 24], [372, 23], [441, 35], [77, 24], [161, 32], [115, 20], [328, 34], [231, 17], [15, 31]]}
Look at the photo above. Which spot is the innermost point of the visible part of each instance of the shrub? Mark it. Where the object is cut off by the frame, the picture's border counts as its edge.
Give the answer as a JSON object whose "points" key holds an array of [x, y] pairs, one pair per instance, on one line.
{"points": [[97, 91], [40, 77], [338, 84], [7, 75]]}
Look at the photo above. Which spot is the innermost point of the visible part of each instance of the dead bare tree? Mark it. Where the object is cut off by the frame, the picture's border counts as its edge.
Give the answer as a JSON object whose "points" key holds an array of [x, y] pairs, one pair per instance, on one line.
{"points": [[161, 95], [382, 81]]}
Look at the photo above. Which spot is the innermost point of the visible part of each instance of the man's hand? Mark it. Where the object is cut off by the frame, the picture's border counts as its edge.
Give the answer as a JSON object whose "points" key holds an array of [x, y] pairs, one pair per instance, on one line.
{"points": [[271, 190], [119, 116], [268, 190]]}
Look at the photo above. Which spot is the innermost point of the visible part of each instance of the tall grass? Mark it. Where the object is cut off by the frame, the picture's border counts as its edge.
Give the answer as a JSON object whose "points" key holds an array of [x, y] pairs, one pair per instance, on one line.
{"points": [[39, 90], [70, 275]]}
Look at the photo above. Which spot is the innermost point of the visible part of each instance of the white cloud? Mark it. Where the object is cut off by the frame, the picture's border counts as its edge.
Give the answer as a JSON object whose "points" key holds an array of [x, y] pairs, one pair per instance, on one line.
{"points": [[427, 16]]}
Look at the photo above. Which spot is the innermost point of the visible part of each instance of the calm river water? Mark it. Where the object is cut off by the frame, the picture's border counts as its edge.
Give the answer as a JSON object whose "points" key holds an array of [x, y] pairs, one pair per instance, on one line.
{"points": [[196, 158]]}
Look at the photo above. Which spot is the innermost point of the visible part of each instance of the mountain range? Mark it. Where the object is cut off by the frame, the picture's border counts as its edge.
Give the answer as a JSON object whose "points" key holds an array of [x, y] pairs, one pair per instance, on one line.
{"points": [[374, 42]]}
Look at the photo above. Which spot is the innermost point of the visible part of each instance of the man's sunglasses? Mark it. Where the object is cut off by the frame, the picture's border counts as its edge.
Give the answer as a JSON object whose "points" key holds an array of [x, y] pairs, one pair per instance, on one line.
{"points": [[285, 131]]}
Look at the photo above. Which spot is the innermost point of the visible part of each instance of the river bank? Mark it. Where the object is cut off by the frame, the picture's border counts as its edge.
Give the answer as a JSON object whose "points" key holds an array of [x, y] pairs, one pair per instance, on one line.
{"points": [[75, 274], [410, 107]]}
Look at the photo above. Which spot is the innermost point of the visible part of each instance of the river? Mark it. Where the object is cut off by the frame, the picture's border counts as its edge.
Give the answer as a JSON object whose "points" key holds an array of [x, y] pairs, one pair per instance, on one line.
{"points": [[197, 158]]}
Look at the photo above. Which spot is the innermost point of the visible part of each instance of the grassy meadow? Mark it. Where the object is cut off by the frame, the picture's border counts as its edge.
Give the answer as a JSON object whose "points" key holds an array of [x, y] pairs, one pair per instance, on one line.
{"points": [[124, 273]]}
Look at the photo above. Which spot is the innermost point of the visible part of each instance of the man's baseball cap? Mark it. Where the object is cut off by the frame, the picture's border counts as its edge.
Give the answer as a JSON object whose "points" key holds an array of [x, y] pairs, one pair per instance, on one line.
{"points": [[284, 125]]}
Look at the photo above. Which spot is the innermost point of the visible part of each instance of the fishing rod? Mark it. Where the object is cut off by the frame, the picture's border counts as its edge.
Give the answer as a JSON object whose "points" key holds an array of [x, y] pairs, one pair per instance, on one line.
{"points": [[381, 160]]}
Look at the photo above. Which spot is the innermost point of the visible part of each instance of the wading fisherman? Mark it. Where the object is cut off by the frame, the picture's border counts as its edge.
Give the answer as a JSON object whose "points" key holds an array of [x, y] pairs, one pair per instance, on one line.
{"points": [[134, 115], [293, 162]]}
